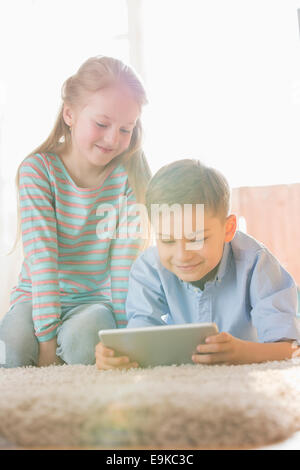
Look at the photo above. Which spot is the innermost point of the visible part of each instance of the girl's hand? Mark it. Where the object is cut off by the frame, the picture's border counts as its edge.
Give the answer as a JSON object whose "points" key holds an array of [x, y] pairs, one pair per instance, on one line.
{"points": [[106, 359], [47, 354], [221, 348]]}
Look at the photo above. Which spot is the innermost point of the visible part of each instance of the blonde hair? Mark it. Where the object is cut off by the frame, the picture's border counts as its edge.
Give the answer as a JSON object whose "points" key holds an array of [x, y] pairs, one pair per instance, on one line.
{"points": [[189, 181], [94, 74]]}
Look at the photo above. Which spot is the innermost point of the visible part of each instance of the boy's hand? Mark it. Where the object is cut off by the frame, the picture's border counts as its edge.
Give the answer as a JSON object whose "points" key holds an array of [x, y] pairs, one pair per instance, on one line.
{"points": [[106, 359], [221, 348]]}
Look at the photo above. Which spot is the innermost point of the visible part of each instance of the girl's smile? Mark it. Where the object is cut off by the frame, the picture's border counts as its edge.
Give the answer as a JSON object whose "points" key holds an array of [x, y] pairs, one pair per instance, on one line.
{"points": [[103, 149]]}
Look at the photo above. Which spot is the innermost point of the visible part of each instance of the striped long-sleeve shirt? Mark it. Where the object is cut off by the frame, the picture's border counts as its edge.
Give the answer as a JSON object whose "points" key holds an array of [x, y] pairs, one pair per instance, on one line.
{"points": [[73, 253]]}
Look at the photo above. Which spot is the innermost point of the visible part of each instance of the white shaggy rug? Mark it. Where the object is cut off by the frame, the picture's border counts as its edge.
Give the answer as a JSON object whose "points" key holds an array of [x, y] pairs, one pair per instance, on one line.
{"points": [[165, 407]]}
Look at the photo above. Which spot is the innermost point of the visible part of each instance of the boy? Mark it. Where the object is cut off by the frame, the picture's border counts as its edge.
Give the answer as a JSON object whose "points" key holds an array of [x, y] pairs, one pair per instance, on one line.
{"points": [[209, 273]]}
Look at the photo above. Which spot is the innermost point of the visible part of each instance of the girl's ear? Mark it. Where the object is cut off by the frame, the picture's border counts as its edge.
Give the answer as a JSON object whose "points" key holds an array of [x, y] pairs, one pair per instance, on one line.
{"points": [[230, 227], [68, 115]]}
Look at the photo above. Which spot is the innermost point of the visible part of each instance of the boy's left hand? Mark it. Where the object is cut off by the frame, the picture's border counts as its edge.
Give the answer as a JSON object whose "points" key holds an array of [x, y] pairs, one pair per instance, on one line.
{"points": [[221, 348]]}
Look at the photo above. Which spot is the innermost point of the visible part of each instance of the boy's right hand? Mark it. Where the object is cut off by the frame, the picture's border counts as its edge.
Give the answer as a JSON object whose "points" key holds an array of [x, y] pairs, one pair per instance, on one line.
{"points": [[106, 359]]}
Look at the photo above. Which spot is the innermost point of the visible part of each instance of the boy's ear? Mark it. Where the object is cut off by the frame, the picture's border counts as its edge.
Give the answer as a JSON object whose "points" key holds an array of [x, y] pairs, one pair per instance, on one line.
{"points": [[230, 227]]}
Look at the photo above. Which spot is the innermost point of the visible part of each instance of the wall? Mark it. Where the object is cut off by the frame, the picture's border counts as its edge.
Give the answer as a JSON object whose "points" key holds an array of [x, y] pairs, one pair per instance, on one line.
{"points": [[272, 216]]}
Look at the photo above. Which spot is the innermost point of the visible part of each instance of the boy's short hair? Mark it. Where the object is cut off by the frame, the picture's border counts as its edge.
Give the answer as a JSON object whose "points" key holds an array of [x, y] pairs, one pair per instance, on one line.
{"points": [[189, 181]]}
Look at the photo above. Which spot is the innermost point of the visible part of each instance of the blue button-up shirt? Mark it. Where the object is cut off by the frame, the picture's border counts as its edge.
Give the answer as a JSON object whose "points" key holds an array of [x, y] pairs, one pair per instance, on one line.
{"points": [[251, 297]]}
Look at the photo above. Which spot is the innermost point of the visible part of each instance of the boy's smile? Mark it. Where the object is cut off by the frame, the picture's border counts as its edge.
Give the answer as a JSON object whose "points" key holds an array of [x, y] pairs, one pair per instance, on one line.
{"points": [[178, 256]]}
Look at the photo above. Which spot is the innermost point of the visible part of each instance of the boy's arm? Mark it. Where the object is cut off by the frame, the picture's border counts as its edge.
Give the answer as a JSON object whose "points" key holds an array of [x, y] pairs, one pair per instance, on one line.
{"points": [[273, 297], [145, 305], [261, 352], [225, 348], [146, 301]]}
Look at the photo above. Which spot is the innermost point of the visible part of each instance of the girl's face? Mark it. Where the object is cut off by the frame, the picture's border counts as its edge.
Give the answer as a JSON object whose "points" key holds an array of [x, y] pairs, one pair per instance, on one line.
{"points": [[101, 129]]}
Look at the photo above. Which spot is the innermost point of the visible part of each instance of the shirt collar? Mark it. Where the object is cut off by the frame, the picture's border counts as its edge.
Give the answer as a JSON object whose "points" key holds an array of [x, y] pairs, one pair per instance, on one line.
{"points": [[224, 262]]}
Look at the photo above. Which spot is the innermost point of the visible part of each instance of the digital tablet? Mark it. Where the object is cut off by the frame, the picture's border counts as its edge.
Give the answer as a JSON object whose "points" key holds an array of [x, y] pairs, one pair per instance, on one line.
{"points": [[158, 345]]}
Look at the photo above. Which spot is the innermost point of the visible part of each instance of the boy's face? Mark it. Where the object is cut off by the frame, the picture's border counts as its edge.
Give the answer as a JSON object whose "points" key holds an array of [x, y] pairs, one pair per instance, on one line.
{"points": [[192, 264]]}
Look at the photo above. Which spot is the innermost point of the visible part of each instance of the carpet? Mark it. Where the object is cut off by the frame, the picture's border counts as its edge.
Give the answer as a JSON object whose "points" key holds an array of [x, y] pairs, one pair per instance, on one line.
{"points": [[173, 407]]}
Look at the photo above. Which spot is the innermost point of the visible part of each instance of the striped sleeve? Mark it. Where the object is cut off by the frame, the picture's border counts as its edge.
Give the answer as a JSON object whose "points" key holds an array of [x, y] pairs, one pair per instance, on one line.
{"points": [[39, 234], [125, 248]]}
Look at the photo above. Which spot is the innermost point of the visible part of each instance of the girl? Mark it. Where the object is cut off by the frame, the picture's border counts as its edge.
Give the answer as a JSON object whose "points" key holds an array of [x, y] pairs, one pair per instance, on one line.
{"points": [[74, 276]]}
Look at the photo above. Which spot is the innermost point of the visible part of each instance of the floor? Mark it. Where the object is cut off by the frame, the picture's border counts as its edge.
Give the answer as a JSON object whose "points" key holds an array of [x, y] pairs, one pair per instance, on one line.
{"points": [[293, 443]]}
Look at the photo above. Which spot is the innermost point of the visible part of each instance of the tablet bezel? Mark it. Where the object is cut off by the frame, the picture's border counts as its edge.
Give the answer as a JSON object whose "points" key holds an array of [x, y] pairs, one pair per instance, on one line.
{"points": [[158, 345]]}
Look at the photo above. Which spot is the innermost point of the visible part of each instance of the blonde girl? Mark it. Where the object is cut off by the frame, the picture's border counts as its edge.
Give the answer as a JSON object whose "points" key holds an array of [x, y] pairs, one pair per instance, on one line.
{"points": [[74, 275]]}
